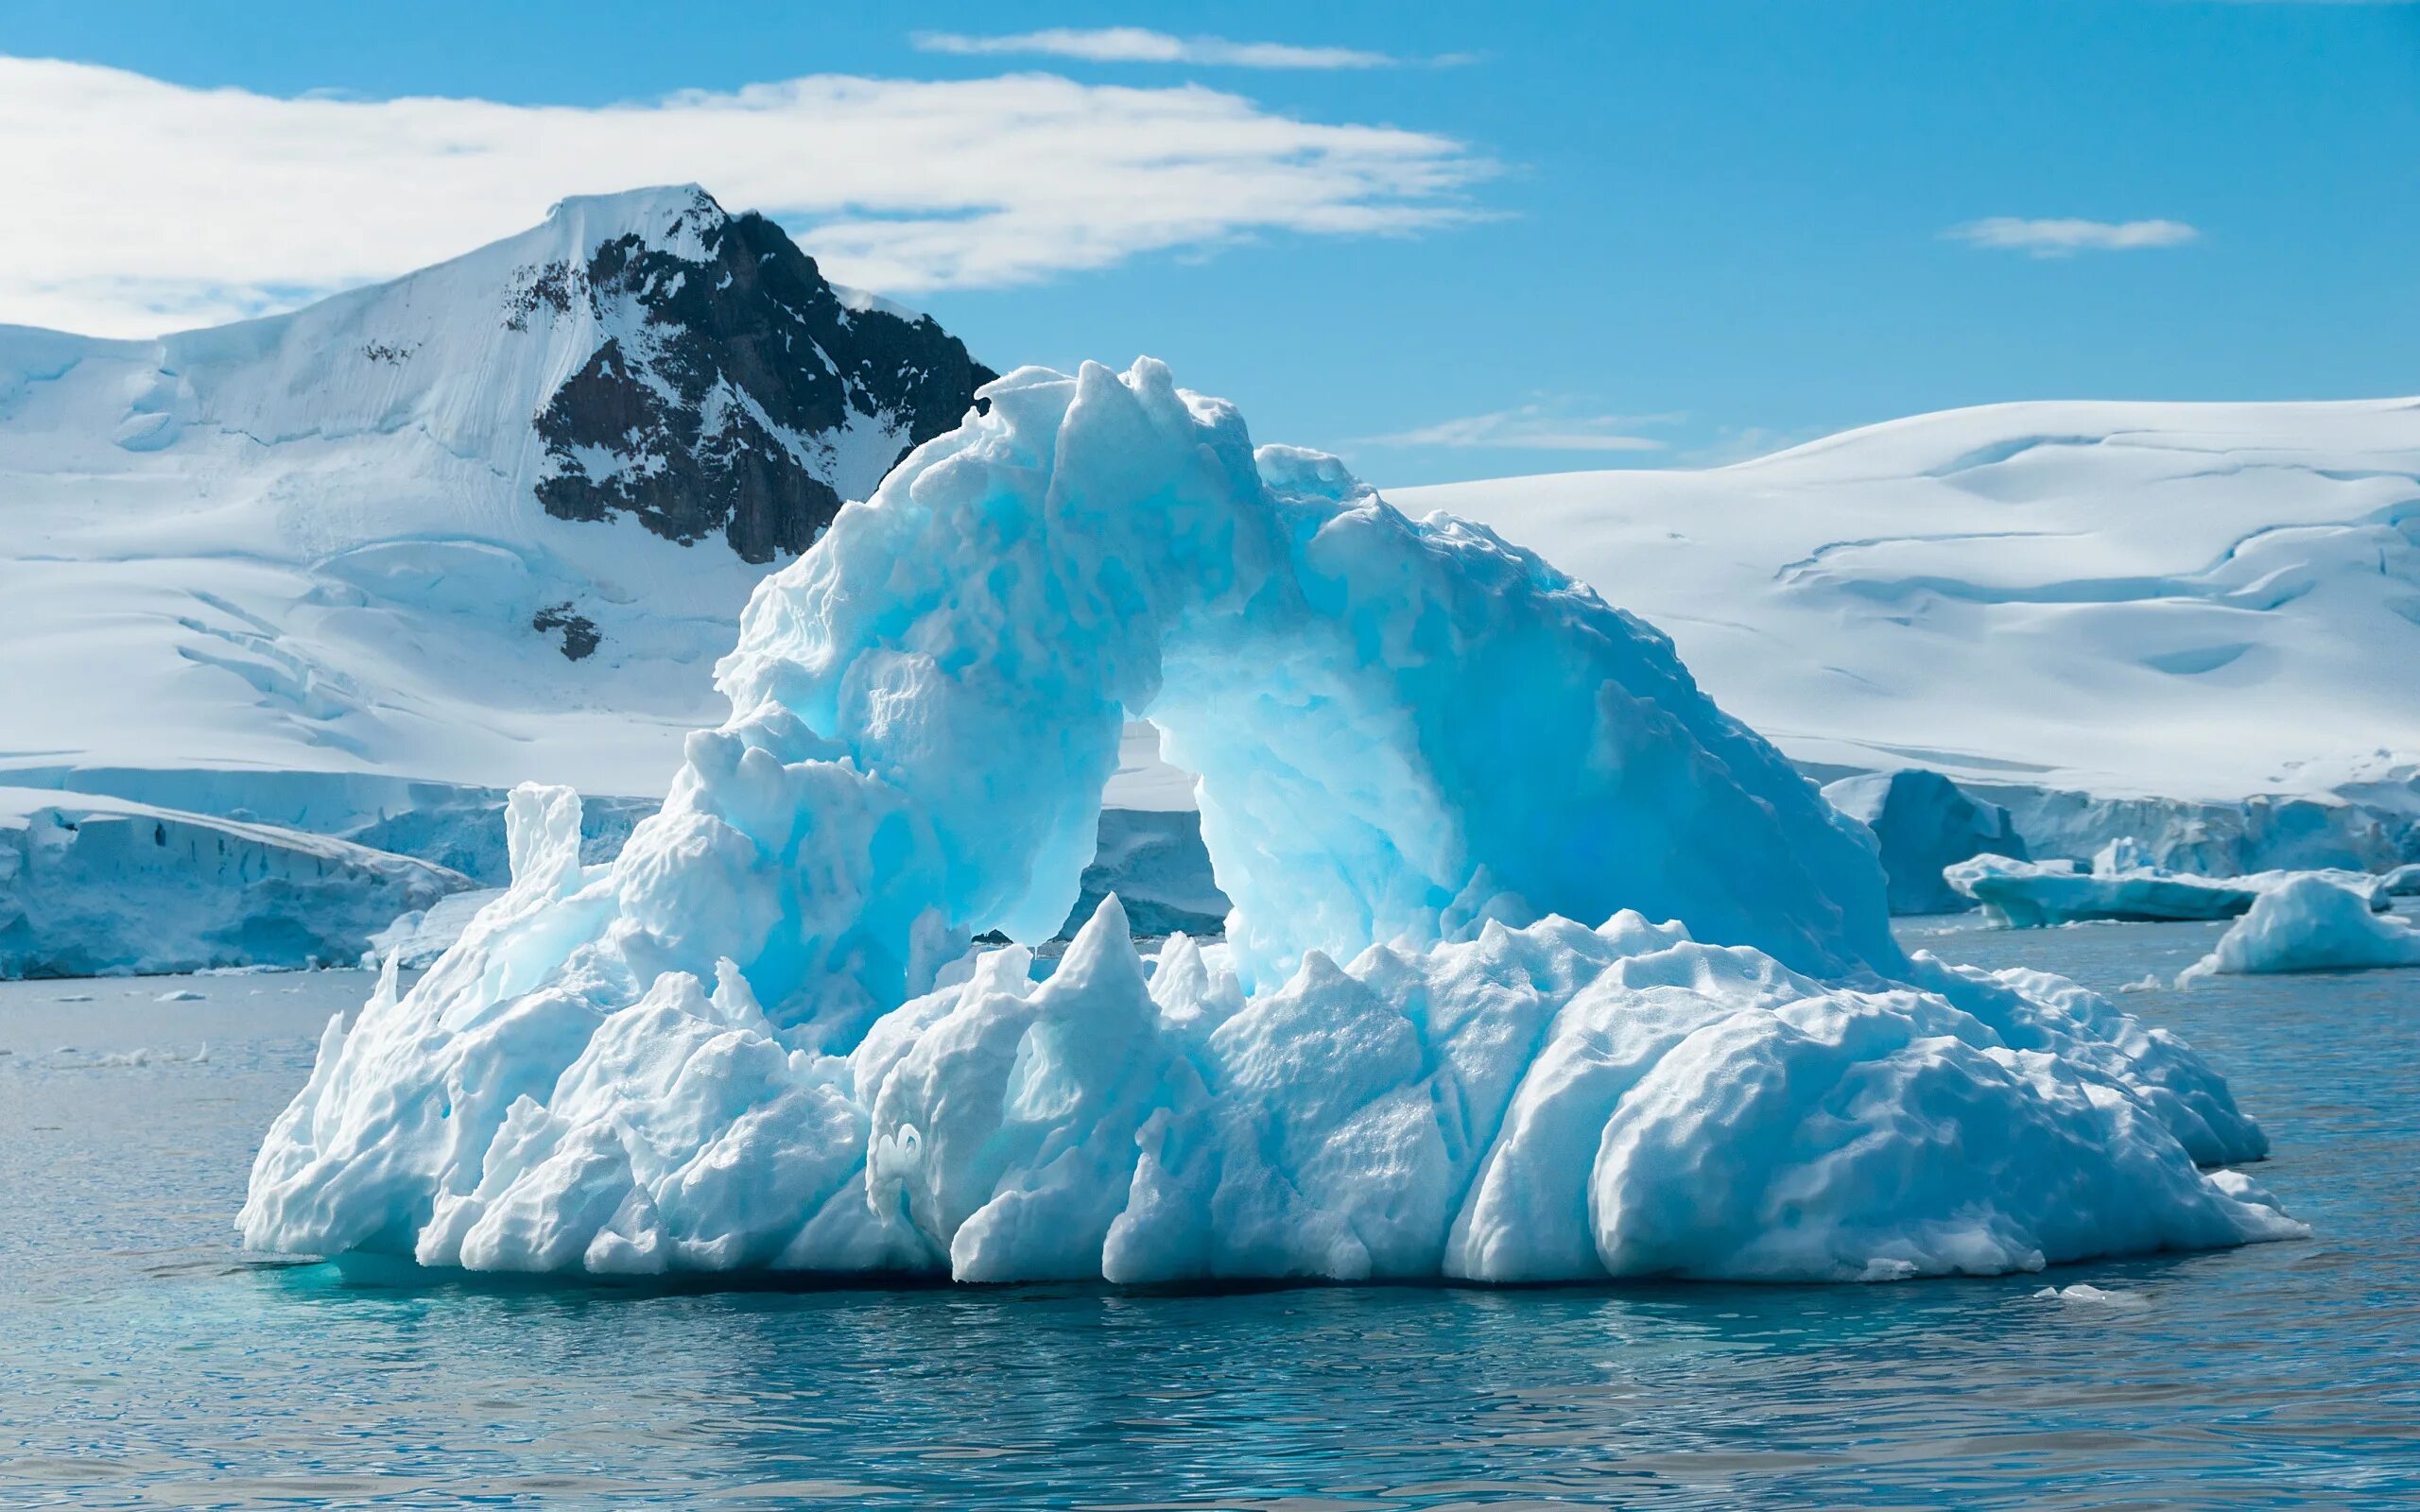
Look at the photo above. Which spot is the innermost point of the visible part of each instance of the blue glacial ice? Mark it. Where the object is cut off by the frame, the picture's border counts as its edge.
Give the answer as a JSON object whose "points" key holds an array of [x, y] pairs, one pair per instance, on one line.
{"points": [[1924, 823], [764, 1039]]}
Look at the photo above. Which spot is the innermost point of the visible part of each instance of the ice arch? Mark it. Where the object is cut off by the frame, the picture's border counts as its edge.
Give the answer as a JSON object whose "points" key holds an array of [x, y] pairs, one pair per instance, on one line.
{"points": [[1429, 764], [1401, 729]]}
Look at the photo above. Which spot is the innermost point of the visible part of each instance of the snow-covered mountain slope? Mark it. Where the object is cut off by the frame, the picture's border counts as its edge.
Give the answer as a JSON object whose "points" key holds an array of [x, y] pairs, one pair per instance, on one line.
{"points": [[493, 520], [2181, 601]]}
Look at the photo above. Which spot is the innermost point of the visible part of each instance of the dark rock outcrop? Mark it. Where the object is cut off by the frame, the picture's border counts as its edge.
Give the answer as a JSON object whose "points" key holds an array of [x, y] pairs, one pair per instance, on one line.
{"points": [[735, 393], [579, 635]]}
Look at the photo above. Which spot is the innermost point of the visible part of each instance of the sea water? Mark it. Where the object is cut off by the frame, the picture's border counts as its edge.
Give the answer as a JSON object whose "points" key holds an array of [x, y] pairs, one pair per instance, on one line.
{"points": [[144, 1362]]}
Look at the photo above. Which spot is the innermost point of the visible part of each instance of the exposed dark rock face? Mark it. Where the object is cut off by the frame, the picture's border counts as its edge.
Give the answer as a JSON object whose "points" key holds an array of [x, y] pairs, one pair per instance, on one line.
{"points": [[734, 392], [579, 632]]}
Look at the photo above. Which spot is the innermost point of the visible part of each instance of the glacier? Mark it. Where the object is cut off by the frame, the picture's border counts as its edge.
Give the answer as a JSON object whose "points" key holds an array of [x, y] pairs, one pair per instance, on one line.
{"points": [[2309, 924], [2122, 885], [92, 885], [763, 1038]]}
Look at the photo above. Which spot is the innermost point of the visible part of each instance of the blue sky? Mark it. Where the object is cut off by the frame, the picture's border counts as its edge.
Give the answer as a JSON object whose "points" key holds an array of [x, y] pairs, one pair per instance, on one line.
{"points": [[1644, 235]]}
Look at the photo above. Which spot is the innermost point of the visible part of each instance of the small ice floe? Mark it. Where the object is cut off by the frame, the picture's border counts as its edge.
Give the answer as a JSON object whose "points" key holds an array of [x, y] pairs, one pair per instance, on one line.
{"points": [[140, 1056], [2084, 1293], [72, 997], [179, 995], [2149, 982]]}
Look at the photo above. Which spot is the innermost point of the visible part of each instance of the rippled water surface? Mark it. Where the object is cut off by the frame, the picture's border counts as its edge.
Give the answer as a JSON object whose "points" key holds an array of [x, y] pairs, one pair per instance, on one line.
{"points": [[144, 1362]]}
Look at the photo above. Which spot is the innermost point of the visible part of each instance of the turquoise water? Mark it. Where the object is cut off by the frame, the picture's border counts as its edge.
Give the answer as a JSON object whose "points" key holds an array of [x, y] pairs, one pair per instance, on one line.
{"points": [[142, 1363]]}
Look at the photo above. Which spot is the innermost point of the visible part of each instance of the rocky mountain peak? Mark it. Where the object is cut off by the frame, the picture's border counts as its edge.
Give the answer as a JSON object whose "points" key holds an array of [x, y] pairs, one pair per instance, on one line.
{"points": [[733, 390]]}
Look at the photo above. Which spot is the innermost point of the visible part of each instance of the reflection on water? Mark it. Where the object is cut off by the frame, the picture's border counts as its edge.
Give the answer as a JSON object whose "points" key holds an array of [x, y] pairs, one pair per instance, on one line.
{"points": [[142, 1362]]}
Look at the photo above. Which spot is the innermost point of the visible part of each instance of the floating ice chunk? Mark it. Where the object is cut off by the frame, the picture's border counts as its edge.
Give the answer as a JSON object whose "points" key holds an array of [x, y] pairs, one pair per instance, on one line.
{"points": [[1422, 756], [179, 995], [2309, 924], [2084, 1293], [2032, 895], [139, 1058]]}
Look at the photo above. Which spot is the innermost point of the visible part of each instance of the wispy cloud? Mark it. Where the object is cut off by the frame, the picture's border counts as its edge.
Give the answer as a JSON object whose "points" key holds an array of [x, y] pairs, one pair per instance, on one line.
{"points": [[134, 206], [1534, 428], [1135, 44], [2066, 237], [1745, 444]]}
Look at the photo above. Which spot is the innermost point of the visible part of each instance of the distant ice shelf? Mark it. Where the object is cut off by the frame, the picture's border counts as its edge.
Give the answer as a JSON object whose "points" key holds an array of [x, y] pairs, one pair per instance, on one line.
{"points": [[92, 885]]}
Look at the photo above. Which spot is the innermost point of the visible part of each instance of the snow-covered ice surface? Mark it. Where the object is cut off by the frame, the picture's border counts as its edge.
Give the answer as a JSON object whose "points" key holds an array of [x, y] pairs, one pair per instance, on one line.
{"points": [[2120, 887], [1925, 823], [298, 571], [757, 1039], [311, 543], [1977, 591], [2310, 924], [92, 885]]}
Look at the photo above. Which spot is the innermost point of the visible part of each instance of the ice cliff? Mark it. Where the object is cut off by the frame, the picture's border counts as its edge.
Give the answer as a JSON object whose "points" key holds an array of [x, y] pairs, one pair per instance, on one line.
{"points": [[92, 885], [1924, 822], [1428, 762]]}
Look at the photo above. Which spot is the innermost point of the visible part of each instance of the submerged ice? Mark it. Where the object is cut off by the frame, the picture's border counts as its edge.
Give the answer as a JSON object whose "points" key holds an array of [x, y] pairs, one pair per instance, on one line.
{"points": [[1428, 762]]}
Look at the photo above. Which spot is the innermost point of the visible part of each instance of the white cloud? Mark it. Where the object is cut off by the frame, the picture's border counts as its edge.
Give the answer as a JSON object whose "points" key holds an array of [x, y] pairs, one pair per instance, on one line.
{"points": [[132, 206], [2065, 238], [1534, 428], [1133, 44]]}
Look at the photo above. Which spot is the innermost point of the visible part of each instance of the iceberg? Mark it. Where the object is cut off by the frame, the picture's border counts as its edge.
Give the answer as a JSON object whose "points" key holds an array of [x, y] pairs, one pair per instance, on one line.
{"points": [[2309, 924], [90, 885], [2120, 885], [1924, 823], [762, 1039]]}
